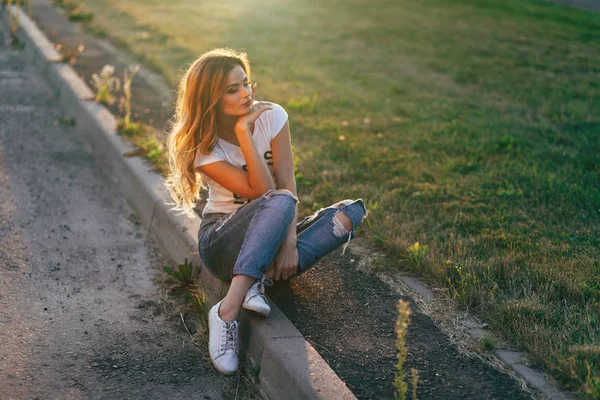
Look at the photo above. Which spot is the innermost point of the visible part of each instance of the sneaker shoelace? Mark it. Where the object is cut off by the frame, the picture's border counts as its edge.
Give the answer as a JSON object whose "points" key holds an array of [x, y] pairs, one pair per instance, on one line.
{"points": [[264, 282], [258, 289], [229, 337]]}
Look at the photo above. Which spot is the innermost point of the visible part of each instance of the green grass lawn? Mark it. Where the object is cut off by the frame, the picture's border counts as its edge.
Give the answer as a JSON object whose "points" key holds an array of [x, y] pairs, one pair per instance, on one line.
{"points": [[469, 126]]}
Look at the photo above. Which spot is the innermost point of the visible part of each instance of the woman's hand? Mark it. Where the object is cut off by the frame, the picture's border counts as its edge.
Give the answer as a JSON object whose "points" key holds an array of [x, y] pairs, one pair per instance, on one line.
{"points": [[245, 121], [286, 260]]}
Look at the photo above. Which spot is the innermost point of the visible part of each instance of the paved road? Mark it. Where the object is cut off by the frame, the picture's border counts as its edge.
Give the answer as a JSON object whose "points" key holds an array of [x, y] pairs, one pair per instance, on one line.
{"points": [[82, 313]]}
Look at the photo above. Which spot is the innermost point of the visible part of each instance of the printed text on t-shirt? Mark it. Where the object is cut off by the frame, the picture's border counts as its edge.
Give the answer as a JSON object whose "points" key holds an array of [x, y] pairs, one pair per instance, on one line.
{"points": [[237, 199]]}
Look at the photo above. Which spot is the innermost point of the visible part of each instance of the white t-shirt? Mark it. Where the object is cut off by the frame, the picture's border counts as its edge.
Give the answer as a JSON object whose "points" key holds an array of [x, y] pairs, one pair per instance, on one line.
{"points": [[266, 127]]}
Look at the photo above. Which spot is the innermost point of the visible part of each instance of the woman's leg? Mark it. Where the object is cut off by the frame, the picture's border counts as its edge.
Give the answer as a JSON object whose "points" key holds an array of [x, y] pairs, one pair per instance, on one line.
{"points": [[327, 230], [262, 241], [249, 240], [251, 237]]}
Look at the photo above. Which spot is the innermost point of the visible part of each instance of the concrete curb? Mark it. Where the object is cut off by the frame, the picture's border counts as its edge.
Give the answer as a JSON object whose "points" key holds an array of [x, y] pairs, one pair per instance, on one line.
{"points": [[282, 364]]}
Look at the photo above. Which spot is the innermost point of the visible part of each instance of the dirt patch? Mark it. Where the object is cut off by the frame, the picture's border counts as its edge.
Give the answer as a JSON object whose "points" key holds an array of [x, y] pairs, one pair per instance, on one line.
{"points": [[349, 317]]}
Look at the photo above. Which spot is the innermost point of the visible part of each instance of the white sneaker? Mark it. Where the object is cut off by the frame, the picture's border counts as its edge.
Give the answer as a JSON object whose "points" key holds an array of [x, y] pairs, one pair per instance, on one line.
{"points": [[223, 342], [255, 299]]}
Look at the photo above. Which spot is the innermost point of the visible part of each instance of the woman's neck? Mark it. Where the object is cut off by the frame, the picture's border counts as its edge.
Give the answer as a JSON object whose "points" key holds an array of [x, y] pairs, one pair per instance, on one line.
{"points": [[226, 128]]}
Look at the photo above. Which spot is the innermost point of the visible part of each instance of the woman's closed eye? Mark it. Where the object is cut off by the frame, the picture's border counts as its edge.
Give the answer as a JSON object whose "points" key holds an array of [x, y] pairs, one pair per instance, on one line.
{"points": [[235, 89]]}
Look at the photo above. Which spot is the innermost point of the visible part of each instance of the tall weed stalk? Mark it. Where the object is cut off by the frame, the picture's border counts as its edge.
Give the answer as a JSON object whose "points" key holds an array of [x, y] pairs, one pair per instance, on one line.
{"points": [[401, 331], [128, 76]]}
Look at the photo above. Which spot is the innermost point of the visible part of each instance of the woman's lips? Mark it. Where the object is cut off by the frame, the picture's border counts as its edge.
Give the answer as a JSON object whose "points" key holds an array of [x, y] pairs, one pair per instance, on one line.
{"points": [[247, 104]]}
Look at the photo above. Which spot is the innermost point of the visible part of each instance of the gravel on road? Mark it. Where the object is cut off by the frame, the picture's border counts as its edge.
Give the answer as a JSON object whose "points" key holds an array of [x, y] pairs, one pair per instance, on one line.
{"points": [[82, 310]]}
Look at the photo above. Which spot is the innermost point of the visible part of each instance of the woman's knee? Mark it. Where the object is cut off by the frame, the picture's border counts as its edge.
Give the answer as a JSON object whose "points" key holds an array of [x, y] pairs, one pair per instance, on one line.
{"points": [[284, 199], [280, 192], [351, 213]]}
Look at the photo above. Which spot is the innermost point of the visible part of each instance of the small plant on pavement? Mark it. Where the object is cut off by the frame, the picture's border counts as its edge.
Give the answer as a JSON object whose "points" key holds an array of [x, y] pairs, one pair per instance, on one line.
{"points": [[184, 274], [105, 85], [401, 331]]}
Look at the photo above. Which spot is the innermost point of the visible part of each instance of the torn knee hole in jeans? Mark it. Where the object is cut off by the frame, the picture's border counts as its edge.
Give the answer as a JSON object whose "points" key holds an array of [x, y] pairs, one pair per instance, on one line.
{"points": [[340, 230]]}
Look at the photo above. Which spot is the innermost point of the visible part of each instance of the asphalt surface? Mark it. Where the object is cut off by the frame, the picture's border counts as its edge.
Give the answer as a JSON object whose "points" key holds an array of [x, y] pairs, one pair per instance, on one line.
{"points": [[82, 311]]}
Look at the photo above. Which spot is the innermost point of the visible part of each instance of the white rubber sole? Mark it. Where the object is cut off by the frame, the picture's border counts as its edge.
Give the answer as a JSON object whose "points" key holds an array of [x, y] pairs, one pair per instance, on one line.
{"points": [[259, 311], [222, 371]]}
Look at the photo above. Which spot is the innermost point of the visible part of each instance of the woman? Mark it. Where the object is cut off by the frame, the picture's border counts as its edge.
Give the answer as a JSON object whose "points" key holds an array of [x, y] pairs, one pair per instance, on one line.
{"points": [[249, 232]]}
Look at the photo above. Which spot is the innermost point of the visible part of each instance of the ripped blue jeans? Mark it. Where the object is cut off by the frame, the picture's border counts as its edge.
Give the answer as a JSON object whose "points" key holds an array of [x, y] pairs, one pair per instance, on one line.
{"points": [[246, 241]]}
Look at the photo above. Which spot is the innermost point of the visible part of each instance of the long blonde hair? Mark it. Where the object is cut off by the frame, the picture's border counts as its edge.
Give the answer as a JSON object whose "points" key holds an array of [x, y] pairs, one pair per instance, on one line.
{"points": [[195, 122]]}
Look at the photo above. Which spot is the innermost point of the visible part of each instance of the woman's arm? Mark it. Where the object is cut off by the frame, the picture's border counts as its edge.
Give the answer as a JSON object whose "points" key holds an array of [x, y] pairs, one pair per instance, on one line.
{"points": [[232, 178], [286, 261], [258, 180], [252, 184], [259, 176], [283, 165]]}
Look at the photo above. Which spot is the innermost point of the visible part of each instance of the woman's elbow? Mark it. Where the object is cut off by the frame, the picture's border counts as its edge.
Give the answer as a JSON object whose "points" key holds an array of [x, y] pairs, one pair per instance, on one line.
{"points": [[259, 192], [289, 184]]}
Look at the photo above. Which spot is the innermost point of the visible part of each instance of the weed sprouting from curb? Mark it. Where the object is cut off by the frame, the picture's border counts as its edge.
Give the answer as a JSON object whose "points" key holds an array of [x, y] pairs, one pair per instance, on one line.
{"points": [[184, 274], [401, 331], [105, 84], [255, 370], [137, 133], [128, 76], [133, 130], [196, 299], [148, 146]]}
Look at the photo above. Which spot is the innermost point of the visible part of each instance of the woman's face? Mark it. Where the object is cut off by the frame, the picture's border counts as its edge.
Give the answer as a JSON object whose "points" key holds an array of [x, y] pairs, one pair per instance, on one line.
{"points": [[237, 98]]}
